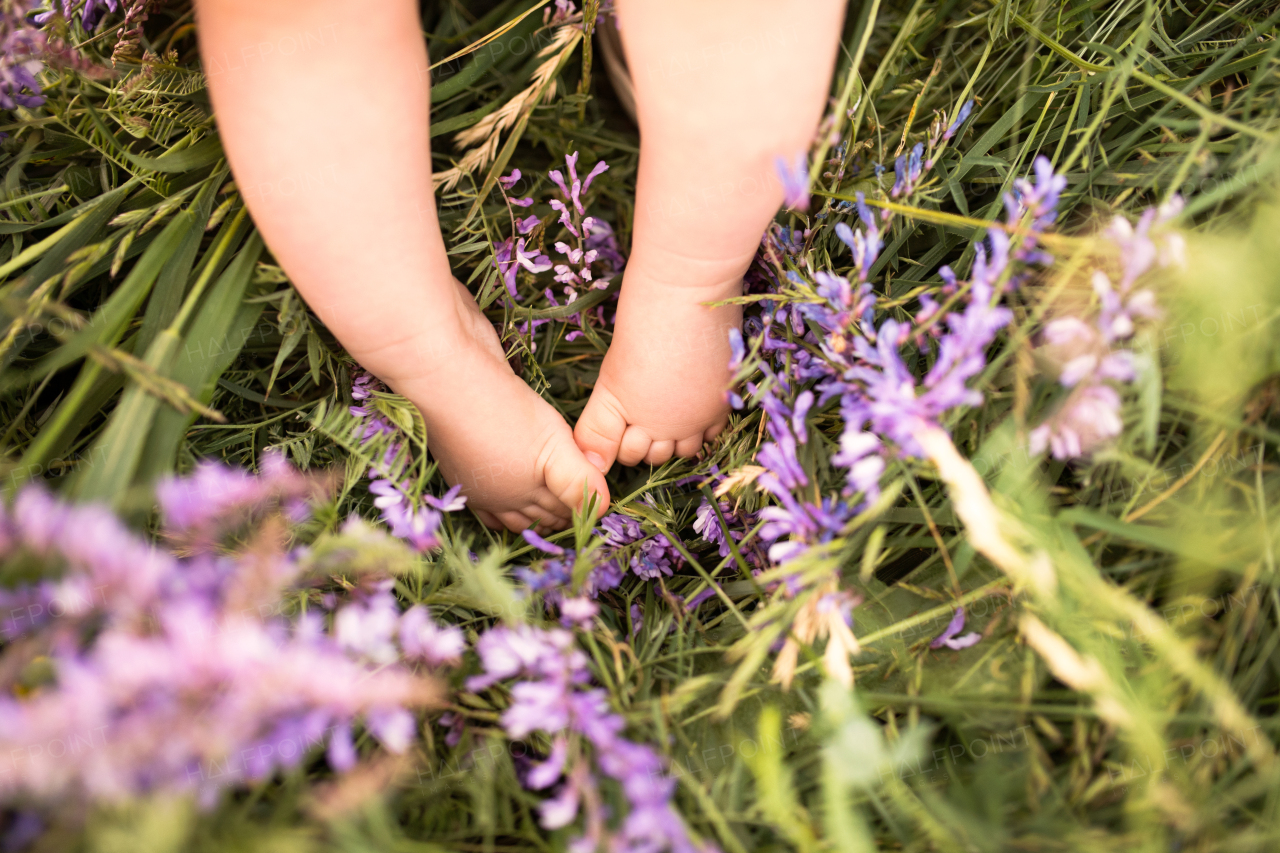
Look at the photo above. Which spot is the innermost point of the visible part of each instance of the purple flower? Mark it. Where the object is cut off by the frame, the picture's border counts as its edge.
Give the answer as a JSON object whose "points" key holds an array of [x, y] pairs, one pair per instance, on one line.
{"points": [[450, 501], [578, 612], [21, 48], [553, 698], [1089, 419], [422, 639], [620, 530], [195, 648], [1088, 354], [794, 175], [215, 498], [948, 636], [961, 116], [656, 557], [538, 542], [88, 15]]}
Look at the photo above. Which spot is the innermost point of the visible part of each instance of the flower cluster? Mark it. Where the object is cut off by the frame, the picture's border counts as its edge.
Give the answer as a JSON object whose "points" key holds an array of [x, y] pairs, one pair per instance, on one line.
{"points": [[555, 578], [420, 525], [882, 403], [181, 673], [21, 50], [1089, 354], [589, 258], [552, 695], [651, 557], [89, 12]]}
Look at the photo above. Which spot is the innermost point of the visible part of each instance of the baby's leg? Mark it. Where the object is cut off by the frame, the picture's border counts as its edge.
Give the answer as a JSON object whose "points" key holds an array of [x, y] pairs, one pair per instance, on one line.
{"points": [[322, 106], [723, 88]]}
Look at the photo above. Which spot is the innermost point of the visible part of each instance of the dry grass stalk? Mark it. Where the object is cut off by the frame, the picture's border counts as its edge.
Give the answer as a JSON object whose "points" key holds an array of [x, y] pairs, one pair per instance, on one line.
{"points": [[480, 141]]}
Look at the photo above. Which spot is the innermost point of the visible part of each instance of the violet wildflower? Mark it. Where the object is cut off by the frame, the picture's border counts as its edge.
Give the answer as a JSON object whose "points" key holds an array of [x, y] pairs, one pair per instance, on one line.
{"points": [[708, 526], [962, 115], [907, 170], [89, 13], [21, 59], [656, 557], [1090, 355], [948, 636], [794, 175], [170, 680], [578, 612], [554, 578], [421, 638], [553, 696], [215, 498], [620, 530], [419, 526], [1039, 200]]}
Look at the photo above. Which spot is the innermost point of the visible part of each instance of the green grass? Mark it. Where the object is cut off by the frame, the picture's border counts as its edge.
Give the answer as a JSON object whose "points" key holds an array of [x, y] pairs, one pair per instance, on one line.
{"points": [[113, 379]]}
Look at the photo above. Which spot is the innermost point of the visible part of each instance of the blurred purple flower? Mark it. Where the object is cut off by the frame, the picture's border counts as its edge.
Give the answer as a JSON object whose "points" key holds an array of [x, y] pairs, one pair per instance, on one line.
{"points": [[189, 679], [21, 50], [794, 174], [421, 638], [1089, 355], [948, 636]]}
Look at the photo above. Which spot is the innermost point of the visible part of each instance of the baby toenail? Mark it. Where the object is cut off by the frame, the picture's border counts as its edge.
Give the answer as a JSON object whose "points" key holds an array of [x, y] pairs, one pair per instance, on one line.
{"points": [[597, 461]]}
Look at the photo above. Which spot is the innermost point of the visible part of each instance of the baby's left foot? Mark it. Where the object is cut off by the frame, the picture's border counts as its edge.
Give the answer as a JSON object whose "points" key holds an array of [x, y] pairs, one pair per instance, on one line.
{"points": [[661, 387]]}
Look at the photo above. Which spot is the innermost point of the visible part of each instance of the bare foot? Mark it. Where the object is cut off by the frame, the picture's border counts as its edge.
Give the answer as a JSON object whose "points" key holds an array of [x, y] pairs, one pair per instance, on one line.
{"points": [[513, 453], [661, 387]]}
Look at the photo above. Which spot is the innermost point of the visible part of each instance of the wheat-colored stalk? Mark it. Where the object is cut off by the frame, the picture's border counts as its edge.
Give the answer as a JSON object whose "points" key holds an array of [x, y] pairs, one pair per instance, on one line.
{"points": [[481, 140]]}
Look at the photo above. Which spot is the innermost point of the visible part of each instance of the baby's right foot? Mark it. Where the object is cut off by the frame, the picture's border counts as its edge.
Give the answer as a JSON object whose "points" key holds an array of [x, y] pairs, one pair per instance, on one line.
{"points": [[513, 453], [661, 387]]}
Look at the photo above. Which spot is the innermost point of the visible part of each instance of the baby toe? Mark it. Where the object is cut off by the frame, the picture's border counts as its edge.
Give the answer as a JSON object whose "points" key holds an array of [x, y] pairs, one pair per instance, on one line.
{"points": [[488, 519], [547, 504], [600, 429], [634, 447], [660, 451], [515, 521], [689, 447], [570, 478]]}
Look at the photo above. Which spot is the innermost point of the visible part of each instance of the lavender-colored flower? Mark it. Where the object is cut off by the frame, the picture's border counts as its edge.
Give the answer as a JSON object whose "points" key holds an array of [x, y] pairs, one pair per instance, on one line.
{"points": [[552, 697], [88, 14], [418, 526], [656, 557], [368, 628], [578, 612], [21, 51], [161, 662], [794, 174], [538, 542], [708, 526], [907, 170], [962, 115], [948, 636], [1089, 419], [421, 638], [215, 498], [1089, 355], [620, 530]]}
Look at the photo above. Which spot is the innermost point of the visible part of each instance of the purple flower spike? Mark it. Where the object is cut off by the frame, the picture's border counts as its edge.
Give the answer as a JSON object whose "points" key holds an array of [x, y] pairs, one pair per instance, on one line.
{"points": [[794, 175], [538, 542], [961, 116], [599, 169], [948, 637]]}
